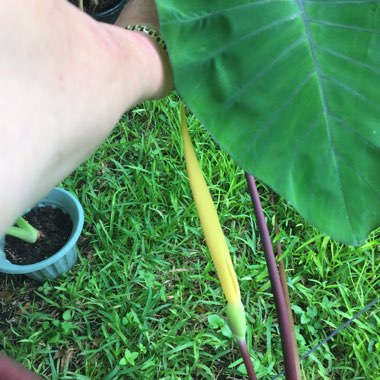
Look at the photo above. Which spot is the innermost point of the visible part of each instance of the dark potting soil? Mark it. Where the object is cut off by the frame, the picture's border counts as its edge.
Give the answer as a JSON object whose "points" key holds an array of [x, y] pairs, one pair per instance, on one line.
{"points": [[90, 7], [55, 229]]}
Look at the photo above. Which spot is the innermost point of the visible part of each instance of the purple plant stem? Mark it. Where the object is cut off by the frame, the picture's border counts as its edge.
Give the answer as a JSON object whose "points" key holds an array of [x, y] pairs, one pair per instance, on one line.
{"points": [[291, 370], [246, 359], [285, 289]]}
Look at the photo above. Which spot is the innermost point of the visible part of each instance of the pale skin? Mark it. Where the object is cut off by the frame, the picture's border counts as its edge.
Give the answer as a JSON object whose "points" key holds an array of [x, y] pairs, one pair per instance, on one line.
{"points": [[65, 81]]}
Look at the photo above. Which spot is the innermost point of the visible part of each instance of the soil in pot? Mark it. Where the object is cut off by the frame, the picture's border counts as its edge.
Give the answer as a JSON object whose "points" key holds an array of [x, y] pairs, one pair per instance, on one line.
{"points": [[55, 229], [90, 6]]}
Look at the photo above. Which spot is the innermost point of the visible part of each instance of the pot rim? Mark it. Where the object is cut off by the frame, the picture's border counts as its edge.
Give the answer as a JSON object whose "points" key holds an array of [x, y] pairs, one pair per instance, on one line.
{"points": [[7, 267]]}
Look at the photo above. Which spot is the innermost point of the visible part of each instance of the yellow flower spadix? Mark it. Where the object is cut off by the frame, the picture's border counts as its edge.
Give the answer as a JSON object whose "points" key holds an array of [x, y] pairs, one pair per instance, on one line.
{"points": [[214, 237], [210, 222]]}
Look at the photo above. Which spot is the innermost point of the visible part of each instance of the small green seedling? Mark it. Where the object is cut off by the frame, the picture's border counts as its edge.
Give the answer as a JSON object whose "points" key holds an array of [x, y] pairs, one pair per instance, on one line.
{"points": [[129, 358], [24, 231]]}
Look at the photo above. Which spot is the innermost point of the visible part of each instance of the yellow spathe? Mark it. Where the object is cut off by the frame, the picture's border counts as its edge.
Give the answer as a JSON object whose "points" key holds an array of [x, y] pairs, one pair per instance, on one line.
{"points": [[209, 220]]}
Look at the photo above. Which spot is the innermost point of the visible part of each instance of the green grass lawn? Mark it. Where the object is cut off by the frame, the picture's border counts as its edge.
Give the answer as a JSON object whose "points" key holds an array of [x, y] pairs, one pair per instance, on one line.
{"points": [[143, 301]]}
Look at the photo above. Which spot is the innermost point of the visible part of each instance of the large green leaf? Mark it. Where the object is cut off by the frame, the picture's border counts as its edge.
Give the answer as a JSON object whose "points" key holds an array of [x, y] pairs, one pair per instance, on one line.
{"points": [[290, 89]]}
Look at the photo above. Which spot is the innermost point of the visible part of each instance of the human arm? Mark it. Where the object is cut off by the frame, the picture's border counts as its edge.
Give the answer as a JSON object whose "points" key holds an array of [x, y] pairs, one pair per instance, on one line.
{"points": [[65, 81]]}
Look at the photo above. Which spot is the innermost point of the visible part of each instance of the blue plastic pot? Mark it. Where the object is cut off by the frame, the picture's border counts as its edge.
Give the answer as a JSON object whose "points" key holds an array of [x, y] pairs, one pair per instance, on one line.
{"points": [[63, 260]]}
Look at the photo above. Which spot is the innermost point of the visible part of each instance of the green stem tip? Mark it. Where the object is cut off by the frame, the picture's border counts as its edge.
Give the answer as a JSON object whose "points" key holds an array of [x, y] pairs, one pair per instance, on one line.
{"points": [[24, 231], [236, 320]]}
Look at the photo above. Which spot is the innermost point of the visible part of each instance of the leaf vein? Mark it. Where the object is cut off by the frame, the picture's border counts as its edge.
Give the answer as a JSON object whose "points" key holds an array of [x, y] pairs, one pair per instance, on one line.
{"points": [[332, 2], [307, 21], [223, 11], [296, 149], [253, 33], [297, 90], [360, 174], [349, 59], [342, 26], [350, 90], [353, 130], [253, 80]]}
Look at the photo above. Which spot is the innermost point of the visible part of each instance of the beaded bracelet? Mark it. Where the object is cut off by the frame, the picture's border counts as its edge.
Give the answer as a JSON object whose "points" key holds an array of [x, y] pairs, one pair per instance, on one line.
{"points": [[151, 32]]}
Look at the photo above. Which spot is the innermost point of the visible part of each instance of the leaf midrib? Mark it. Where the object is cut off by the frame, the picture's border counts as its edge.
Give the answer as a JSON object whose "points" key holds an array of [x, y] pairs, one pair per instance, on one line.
{"points": [[310, 38]]}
